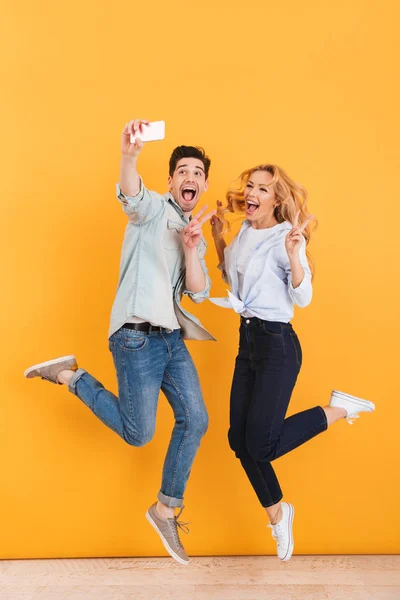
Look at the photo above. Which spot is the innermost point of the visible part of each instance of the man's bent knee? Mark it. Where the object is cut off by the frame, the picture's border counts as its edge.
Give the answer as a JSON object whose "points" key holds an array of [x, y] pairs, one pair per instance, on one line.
{"points": [[138, 439], [199, 425]]}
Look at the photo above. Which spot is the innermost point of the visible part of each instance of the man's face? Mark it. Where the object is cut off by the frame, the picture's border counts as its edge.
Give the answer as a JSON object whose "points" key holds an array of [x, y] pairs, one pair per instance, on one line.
{"points": [[187, 183]]}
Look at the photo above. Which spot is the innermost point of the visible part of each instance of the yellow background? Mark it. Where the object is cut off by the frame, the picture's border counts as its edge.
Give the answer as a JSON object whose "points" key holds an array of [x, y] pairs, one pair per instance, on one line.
{"points": [[310, 86]]}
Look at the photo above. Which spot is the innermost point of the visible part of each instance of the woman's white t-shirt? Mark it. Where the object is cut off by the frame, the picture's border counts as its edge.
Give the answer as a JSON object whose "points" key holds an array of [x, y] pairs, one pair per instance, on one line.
{"points": [[248, 241]]}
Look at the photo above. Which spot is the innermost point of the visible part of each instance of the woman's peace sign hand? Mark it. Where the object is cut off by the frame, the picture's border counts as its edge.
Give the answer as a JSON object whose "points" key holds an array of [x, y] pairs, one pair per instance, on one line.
{"points": [[295, 236]]}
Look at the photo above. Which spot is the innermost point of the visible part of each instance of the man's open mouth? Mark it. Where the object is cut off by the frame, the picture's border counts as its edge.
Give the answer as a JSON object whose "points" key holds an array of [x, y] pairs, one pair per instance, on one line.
{"points": [[251, 207], [189, 193]]}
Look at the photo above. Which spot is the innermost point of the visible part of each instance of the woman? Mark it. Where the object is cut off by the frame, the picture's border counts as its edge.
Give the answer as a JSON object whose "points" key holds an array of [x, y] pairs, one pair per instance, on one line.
{"points": [[267, 269]]}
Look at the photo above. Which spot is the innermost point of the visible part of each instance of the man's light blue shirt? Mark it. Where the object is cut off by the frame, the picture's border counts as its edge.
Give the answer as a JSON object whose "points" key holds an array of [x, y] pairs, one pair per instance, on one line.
{"points": [[152, 269]]}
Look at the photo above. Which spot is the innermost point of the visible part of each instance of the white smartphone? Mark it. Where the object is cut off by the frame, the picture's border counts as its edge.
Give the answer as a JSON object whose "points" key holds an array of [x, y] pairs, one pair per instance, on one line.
{"points": [[152, 132]]}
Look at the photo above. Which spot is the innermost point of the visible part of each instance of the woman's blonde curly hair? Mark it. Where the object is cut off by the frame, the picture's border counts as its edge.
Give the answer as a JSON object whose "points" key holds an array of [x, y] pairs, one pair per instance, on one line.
{"points": [[291, 198]]}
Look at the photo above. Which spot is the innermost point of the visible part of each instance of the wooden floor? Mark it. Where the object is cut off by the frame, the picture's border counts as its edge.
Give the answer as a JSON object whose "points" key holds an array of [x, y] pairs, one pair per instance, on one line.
{"points": [[222, 578]]}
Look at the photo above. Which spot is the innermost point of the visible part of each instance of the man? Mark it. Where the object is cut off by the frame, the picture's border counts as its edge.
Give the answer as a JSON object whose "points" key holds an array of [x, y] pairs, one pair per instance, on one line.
{"points": [[162, 258]]}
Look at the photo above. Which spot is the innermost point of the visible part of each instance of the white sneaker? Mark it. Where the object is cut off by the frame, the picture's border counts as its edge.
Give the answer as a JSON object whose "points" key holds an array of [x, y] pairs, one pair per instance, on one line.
{"points": [[50, 369], [282, 532], [351, 404]]}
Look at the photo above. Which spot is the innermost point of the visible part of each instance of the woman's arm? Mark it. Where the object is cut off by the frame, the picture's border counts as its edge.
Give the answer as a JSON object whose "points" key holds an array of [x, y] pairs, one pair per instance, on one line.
{"points": [[216, 229], [296, 270], [220, 246], [300, 288]]}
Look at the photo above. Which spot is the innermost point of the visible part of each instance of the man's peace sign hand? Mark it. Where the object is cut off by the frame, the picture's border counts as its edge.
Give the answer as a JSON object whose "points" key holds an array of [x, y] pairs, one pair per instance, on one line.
{"points": [[192, 234]]}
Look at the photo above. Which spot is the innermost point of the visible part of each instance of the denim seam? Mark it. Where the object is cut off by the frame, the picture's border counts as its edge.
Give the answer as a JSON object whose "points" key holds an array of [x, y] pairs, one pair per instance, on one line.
{"points": [[109, 424], [136, 349], [283, 342], [127, 387], [166, 341], [185, 433], [280, 392], [317, 429], [295, 350], [274, 416], [265, 483]]}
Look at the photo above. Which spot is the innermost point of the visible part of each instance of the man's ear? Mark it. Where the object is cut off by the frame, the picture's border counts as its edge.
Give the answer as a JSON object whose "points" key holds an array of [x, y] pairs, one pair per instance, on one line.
{"points": [[169, 182], [206, 185]]}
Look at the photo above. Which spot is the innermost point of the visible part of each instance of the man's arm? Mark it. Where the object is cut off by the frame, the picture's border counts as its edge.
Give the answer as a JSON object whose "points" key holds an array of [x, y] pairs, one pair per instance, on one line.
{"points": [[195, 277], [197, 280], [138, 203], [129, 180]]}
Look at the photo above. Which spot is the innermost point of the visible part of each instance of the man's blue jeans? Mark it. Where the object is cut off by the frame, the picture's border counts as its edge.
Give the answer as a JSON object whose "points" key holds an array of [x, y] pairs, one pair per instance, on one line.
{"points": [[146, 363]]}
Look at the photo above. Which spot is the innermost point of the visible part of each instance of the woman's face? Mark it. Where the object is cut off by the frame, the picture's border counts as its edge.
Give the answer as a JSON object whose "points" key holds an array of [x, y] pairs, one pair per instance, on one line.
{"points": [[259, 197]]}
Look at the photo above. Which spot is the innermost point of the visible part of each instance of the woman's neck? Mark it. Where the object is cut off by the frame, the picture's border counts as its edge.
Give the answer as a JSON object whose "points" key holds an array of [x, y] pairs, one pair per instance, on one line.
{"points": [[265, 222]]}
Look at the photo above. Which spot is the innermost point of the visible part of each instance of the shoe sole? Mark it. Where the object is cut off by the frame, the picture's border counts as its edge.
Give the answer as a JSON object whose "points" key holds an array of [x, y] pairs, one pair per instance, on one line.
{"points": [[354, 400], [55, 361], [289, 553], [164, 541]]}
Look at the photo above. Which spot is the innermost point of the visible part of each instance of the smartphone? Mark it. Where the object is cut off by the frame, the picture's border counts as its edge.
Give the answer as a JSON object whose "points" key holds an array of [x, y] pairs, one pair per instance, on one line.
{"points": [[151, 132]]}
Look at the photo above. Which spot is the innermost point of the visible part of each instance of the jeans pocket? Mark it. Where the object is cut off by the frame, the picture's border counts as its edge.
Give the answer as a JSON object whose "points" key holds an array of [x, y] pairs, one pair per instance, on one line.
{"points": [[111, 343], [272, 330], [134, 340]]}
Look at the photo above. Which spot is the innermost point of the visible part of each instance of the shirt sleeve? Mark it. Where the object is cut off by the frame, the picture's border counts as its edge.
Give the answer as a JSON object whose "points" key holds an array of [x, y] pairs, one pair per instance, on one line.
{"points": [[142, 207], [302, 294]]}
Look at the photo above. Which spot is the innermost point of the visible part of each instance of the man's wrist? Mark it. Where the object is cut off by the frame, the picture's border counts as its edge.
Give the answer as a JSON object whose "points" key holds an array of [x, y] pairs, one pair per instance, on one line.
{"points": [[128, 158], [188, 250]]}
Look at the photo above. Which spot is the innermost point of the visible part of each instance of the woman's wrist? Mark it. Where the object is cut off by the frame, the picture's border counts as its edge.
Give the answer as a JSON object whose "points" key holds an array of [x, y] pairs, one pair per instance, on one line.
{"points": [[294, 257]]}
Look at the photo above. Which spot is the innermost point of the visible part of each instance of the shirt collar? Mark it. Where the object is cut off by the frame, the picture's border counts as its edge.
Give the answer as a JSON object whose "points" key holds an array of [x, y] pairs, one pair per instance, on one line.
{"points": [[284, 225], [171, 200]]}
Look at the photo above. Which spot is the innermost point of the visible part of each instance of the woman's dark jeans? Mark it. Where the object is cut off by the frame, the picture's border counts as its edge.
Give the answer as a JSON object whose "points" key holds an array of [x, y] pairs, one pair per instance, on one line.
{"points": [[266, 371]]}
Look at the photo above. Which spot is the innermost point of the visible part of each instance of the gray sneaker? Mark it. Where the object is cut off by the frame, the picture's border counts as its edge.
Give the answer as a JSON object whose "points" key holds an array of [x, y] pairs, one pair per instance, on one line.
{"points": [[50, 369], [167, 529]]}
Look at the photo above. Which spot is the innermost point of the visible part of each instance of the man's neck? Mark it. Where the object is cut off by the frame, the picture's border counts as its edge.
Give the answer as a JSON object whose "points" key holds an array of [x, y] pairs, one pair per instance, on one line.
{"points": [[187, 215]]}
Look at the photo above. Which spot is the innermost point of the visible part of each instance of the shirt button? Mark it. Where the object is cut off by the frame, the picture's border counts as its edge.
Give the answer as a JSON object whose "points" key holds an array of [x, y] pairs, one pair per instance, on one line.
{"points": [[247, 321]]}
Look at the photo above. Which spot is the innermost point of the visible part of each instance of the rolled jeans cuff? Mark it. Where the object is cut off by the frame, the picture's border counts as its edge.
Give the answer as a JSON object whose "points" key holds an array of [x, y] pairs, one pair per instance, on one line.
{"points": [[273, 502], [169, 501], [74, 379]]}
